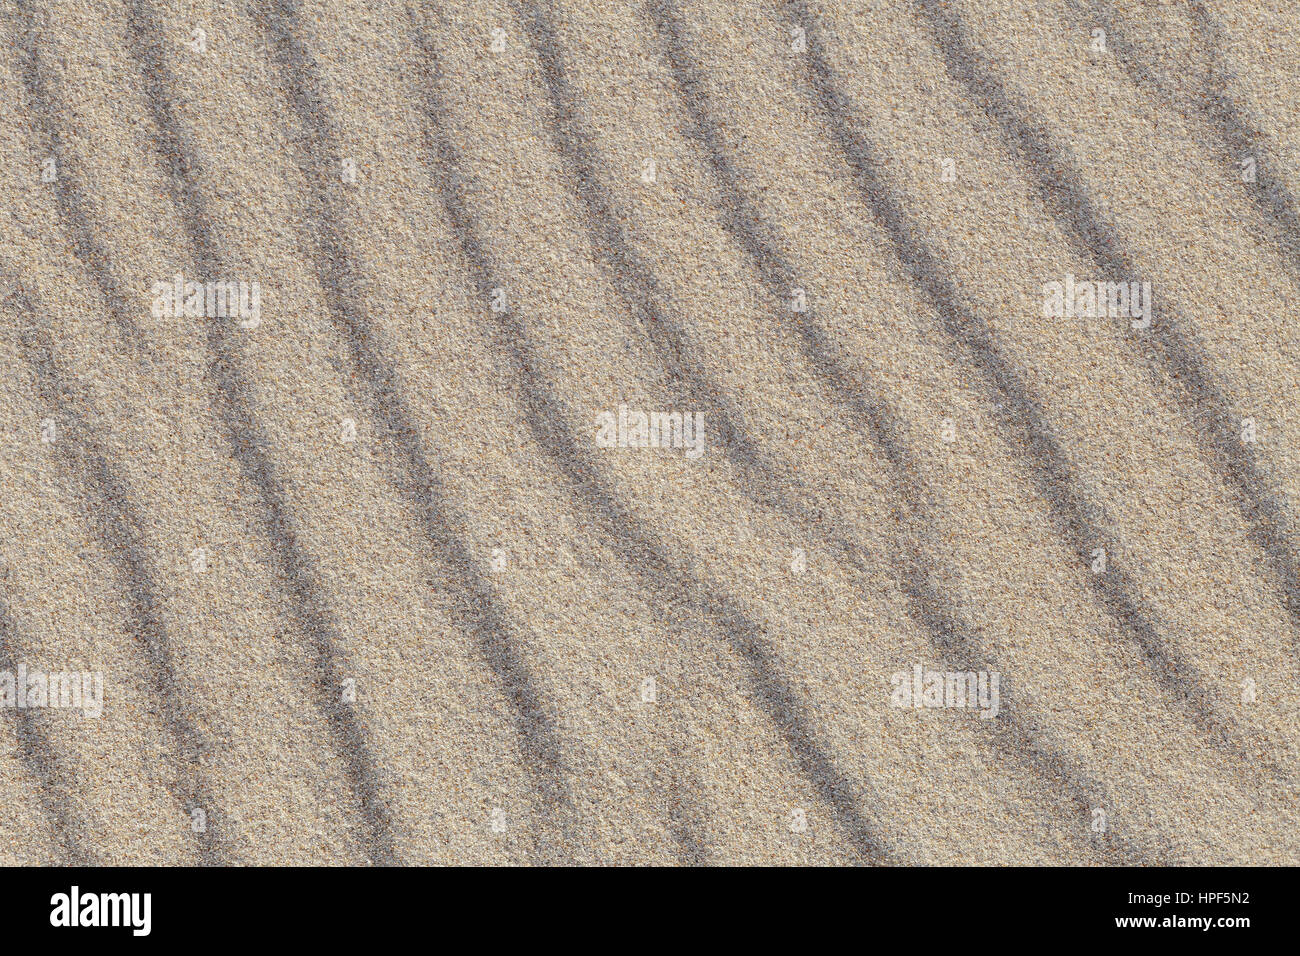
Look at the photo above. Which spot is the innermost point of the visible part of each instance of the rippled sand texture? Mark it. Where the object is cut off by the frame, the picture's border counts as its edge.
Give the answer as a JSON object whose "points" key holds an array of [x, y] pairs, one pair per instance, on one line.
{"points": [[362, 581]]}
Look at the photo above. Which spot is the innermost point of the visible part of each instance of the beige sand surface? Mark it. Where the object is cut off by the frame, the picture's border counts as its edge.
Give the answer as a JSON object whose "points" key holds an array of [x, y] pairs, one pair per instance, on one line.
{"points": [[431, 604]]}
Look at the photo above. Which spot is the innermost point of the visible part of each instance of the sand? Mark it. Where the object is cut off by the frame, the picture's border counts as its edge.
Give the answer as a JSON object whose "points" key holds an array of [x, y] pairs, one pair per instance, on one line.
{"points": [[370, 572]]}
